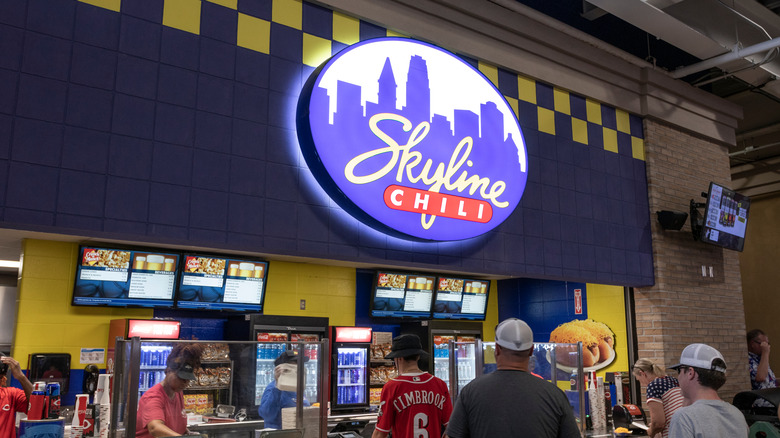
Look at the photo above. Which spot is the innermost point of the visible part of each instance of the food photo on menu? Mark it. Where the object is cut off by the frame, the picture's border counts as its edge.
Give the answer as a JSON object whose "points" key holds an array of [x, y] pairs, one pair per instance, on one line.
{"points": [[457, 296], [219, 283]]}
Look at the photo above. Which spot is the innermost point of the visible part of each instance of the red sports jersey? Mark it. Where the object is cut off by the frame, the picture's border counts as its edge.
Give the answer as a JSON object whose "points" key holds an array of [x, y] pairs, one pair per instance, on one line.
{"points": [[414, 406]]}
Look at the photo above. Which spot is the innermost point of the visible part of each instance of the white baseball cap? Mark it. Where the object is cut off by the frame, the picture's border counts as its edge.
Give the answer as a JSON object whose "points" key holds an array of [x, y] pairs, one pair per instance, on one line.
{"points": [[700, 356], [514, 334]]}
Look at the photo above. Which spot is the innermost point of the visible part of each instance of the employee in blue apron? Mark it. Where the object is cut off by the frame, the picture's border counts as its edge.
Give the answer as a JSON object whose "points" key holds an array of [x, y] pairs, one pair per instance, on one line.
{"points": [[277, 396]]}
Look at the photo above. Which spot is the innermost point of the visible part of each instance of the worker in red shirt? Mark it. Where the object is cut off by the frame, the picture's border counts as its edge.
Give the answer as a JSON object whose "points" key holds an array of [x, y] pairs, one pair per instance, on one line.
{"points": [[12, 400]]}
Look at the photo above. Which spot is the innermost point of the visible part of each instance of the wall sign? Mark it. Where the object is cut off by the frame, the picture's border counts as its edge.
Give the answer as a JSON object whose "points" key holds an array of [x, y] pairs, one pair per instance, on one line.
{"points": [[412, 140]]}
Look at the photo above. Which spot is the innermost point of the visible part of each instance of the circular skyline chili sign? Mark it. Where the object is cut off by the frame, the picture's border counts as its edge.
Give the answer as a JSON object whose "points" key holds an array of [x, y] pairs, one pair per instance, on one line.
{"points": [[412, 140]]}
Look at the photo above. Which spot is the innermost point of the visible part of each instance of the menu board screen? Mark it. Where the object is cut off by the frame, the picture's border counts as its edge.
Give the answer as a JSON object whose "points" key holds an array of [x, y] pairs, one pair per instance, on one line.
{"points": [[402, 295], [125, 277], [460, 298], [222, 283]]}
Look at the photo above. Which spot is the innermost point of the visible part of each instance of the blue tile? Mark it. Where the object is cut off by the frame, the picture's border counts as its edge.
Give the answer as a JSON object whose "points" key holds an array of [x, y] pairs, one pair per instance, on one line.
{"points": [[177, 85], [582, 180], [130, 157], [93, 66], [551, 226], [532, 197], [249, 139], [533, 224], [34, 187], [14, 13], [52, 17], [140, 38], [281, 181], [549, 172], [627, 167], [212, 130], [283, 115], [180, 48], [317, 21], [6, 128], [256, 8], [172, 164], [312, 223], [78, 222], [245, 214], [250, 103], [584, 205], [548, 146], [528, 116], [544, 96], [286, 42], [600, 208], [133, 116], [613, 189], [125, 227], [11, 45], [150, 10], [169, 204], [218, 22], [168, 232], [563, 126], [369, 31], [208, 209], [282, 147], [566, 174], [595, 136], [608, 117], [565, 151], [618, 262], [217, 58], [211, 171], [89, 108], [252, 67], [612, 163], [70, 196], [624, 144], [578, 107], [637, 126], [85, 150], [215, 95], [175, 124], [127, 200], [37, 142], [41, 98], [136, 76], [46, 56], [97, 26], [507, 83], [29, 217], [617, 237], [283, 74], [587, 257], [247, 177], [567, 200], [279, 219]]}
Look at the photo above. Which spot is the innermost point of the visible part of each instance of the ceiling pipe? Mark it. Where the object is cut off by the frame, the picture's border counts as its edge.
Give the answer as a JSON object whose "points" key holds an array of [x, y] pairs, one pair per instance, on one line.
{"points": [[726, 57]]}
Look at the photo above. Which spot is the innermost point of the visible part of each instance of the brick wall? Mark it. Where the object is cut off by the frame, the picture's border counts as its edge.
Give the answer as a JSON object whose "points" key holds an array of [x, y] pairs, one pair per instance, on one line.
{"points": [[683, 306]]}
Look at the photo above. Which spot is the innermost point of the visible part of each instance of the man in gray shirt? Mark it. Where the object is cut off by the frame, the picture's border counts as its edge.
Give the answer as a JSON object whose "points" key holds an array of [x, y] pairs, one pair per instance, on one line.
{"points": [[511, 401], [701, 372]]}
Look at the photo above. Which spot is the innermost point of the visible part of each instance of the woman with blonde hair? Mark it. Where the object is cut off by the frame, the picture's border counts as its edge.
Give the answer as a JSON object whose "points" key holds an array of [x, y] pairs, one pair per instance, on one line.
{"points": [[663, 395]]}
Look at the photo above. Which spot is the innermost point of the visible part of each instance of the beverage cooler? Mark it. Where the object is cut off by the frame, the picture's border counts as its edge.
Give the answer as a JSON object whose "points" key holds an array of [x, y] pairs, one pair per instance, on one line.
{"points": [[349, 368], [275, 334], [455, 349]]}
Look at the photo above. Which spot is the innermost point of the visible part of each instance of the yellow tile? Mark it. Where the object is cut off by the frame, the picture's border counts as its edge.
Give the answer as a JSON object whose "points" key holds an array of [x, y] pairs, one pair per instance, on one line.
{"points": [[623, 123], [392, 33], [288, 13], [47, 267], [593, 110], [183, 15], [610, 140], [114, 5], [43, 288], [638, 148], [346, 29], [546, 120], [513, 104], [526, 89], [490, 72], [579, 130], [254, 33], [48, 248], [316, 50], [561, 99], [232, 4]]}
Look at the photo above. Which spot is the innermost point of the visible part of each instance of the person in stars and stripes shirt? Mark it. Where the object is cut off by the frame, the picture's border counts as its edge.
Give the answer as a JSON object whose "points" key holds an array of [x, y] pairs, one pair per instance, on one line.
{"points": [[414, 404], [663, 395]]}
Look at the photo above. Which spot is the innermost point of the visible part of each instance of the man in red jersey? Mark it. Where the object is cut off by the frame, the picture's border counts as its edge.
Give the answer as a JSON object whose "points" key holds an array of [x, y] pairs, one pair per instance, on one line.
{"points": [[414, 404], [12, 400]]}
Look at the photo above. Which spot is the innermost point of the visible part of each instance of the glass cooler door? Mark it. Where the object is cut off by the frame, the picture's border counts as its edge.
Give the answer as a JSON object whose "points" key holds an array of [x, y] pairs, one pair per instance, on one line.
{"points": [[465, 360], [351, 376], [270, 346], [441, 357]]}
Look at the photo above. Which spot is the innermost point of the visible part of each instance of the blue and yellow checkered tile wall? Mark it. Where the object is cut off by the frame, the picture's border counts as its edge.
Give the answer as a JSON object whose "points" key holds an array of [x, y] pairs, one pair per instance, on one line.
{"points": [[310, 34]]}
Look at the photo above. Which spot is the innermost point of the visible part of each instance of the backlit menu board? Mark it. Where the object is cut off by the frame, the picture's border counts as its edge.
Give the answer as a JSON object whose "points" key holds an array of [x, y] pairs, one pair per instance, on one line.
{"points": [[227, 283], [402, 295], [125, 277], [460, 298]]}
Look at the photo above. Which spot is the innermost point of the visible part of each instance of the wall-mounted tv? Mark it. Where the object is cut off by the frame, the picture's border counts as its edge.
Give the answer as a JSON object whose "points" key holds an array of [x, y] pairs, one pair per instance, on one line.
{"points": [[222, 283], [460, 298], [125, 277], [725, 218], [402, 295]]}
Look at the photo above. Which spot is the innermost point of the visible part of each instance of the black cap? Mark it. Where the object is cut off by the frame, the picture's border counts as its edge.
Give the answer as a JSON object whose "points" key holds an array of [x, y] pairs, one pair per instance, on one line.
{"points": [[406, 346], [184, 371], [289, 356]]}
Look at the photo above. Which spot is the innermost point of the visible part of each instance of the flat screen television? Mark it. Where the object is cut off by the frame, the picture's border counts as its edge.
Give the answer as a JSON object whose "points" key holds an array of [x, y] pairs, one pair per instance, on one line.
{"points": [[125, 277], [725, 218], [402, 295], [222, 283], [461, 298]]}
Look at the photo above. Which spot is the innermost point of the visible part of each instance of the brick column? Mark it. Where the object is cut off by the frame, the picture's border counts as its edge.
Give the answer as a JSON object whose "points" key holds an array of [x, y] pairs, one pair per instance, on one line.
{"points": [[683, 306]]}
